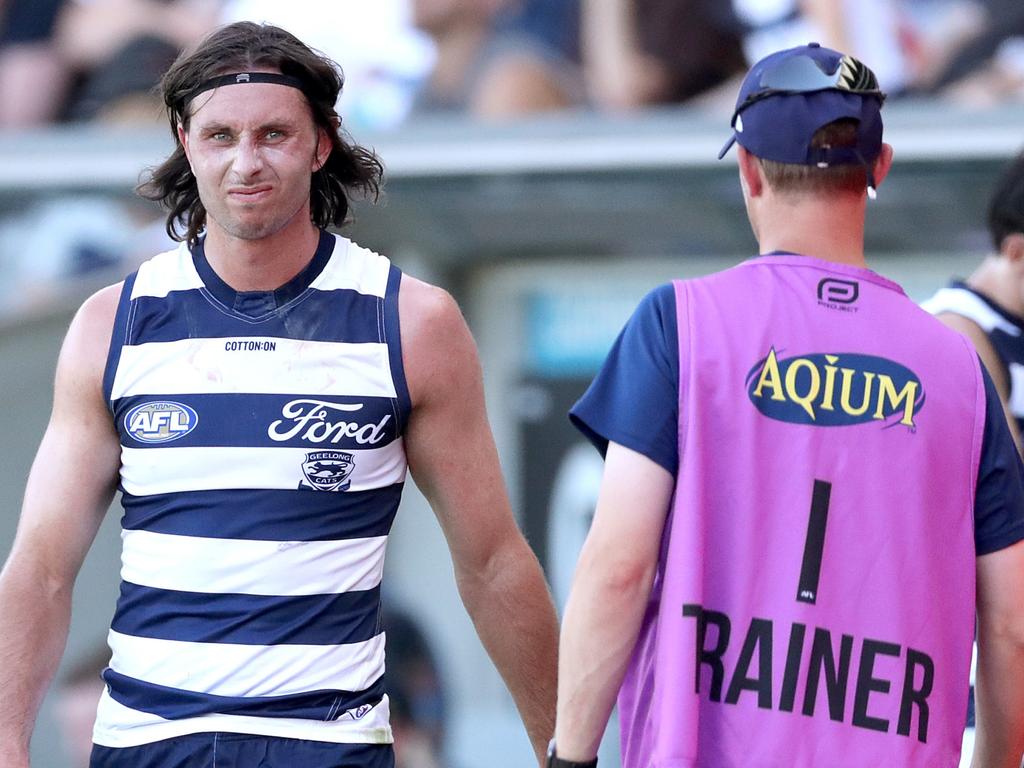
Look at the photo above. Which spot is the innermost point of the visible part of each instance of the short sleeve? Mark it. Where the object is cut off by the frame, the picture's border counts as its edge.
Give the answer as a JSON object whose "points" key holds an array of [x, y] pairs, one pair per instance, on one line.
{"points": [[634, 399], [999, 498]]}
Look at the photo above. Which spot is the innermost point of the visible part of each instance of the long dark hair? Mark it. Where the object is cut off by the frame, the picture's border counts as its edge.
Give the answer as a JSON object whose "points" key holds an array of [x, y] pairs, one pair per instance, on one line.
{"points": [[242, 47]]}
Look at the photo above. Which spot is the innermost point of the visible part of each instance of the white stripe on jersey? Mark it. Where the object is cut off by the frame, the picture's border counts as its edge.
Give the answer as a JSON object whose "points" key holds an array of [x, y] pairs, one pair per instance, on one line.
{"points": [[205, 367], [355, 268], [119, 726], [148, 471], [351, 267], [167, 272], [247, 567], [961, 302], [233, 669], [1016, 389]]}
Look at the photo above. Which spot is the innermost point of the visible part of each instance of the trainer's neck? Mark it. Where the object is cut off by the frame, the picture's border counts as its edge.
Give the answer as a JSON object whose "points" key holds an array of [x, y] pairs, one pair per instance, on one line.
{"points": [[265, 264], [832, 230]]}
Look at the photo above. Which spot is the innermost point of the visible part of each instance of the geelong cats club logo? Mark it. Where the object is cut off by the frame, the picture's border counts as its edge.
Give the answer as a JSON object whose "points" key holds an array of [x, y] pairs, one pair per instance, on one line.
{"points": [[328, 470]]}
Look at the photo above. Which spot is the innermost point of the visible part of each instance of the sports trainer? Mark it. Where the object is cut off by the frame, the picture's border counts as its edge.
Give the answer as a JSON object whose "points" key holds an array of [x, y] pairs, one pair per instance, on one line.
{"points": [[807, 479], [988, 307], [257, 394]]}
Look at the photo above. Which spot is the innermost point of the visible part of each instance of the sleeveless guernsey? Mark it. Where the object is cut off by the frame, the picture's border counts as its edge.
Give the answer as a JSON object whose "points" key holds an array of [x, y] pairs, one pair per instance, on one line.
{"points": [[1004, 330], [814, 599], [262, 466]]}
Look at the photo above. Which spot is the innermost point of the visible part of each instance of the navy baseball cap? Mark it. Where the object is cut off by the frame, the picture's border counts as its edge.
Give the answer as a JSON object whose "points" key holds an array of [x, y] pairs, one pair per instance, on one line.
{"points": [[787, 96]]}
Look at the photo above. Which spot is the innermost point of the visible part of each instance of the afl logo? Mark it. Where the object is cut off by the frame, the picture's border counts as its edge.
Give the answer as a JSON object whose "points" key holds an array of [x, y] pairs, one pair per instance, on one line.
{"points": [[160, 422]]}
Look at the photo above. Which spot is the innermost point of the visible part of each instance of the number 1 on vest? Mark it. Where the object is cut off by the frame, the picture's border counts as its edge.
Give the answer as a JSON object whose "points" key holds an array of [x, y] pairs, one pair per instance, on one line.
{"points": [[810, 570]]}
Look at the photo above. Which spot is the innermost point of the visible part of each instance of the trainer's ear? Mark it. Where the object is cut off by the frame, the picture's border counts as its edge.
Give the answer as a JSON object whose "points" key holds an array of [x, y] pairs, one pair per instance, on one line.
{"points": [[751, 175], [883, 164]]}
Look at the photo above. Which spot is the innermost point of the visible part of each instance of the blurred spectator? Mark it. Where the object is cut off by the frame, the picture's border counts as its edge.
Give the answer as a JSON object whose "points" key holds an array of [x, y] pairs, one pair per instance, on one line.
{"points": [[77, 697], [415, 692], [384, 58], [33, 74], [552, 23], [121, 48], [986, 68], [500, 58], [52, 241], [933, 31], [871, 30], [640, 52]]}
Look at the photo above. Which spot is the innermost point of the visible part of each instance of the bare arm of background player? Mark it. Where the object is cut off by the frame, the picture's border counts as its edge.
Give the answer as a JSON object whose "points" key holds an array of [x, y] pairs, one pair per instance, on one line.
{"points": [[990, 359], [829, 16], [609, 597], [619, 75], [999, 687], [69, 489], [454, 462]]}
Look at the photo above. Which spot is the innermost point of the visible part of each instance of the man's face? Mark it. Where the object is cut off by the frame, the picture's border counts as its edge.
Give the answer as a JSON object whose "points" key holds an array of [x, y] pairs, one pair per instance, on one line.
{"points": [[253, 148]]}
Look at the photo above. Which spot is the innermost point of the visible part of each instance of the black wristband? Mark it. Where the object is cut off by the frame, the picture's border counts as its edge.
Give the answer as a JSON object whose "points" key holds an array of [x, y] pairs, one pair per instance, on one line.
{"points": [[554, 761]]}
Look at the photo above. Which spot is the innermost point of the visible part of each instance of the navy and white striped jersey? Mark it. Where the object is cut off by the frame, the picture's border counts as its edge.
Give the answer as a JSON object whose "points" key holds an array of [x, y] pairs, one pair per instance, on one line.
{"points": [[262, 466], [1004, 330]]}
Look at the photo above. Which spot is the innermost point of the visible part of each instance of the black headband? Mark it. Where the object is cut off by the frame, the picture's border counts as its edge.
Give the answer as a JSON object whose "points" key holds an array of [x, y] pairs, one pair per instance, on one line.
{"points": [[238, 78]]}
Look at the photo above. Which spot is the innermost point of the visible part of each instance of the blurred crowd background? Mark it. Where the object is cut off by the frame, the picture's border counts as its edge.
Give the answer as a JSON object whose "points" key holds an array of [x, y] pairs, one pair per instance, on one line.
{"points": [[549, 161], [89, 60], [96, 62]]}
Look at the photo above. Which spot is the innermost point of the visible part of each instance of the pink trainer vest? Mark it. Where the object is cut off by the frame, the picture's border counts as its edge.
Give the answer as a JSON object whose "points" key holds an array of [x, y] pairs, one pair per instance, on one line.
{"points": [[814, 603]]}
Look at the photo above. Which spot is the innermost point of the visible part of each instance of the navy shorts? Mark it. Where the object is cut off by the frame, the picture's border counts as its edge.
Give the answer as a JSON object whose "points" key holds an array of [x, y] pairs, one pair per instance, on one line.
{"points": [[234, 750]]}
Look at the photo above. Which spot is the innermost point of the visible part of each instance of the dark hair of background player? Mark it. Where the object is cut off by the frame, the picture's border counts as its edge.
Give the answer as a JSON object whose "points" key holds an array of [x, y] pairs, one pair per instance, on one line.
{"points": [[241, 47], [1006, 207]]}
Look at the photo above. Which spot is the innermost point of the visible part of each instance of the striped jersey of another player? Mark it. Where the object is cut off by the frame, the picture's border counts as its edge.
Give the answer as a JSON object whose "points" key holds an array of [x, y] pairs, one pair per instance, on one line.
{"points": [[1004, 330], [262, 466]]}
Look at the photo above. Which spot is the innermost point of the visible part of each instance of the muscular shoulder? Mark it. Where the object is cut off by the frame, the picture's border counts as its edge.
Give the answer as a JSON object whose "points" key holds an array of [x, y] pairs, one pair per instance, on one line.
{"points": [[423, 305], [97, 312], [94, 321], [437, 346], [979, 339], [84, 354], [964, 325]]}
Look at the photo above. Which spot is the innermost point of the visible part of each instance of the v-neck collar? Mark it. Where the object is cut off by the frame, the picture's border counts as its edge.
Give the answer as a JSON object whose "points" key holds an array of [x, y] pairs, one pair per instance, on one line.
{"points": [[261, 303]]}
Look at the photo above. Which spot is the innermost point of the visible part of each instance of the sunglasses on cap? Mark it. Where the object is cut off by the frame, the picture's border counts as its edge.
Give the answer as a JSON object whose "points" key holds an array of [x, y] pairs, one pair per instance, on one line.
{"points": [[802, 73]]}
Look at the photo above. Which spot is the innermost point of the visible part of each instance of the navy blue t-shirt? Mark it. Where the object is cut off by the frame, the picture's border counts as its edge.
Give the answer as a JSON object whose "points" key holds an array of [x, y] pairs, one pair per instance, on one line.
{"points": [[634, 401]]}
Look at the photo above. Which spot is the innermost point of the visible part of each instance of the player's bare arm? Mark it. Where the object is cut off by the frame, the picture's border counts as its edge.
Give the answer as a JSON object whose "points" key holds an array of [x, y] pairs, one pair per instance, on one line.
{"points": [[60, 516], [609, 597], [990, 360], [453, 460], [999, 689]]}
